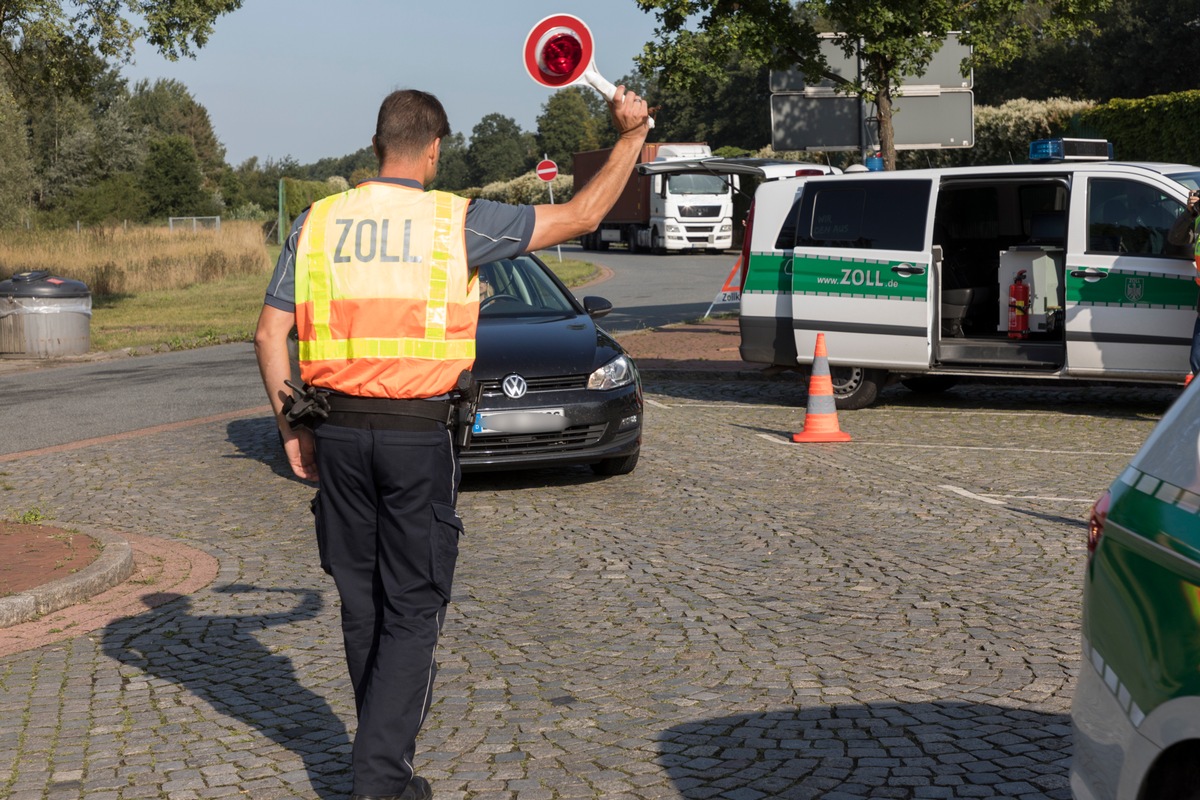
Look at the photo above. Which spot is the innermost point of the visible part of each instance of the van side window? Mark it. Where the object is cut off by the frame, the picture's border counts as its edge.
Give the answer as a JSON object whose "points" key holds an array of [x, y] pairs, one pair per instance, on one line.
{"points": [[876, 215], [1125, 216], [786, 239]]}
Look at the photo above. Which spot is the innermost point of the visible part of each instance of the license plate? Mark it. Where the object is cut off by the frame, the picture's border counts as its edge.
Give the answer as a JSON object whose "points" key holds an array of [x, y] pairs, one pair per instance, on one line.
{"points": [[537, 420]]}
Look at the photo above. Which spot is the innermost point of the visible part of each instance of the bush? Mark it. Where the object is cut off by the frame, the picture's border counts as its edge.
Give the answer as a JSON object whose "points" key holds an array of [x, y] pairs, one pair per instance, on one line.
{"points": [[1157, 128], [528, 188]]}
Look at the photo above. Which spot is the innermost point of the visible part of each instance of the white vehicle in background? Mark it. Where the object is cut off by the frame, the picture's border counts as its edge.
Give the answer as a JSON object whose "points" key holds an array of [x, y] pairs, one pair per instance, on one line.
{"points": [[1058, 269], [664, 214]]}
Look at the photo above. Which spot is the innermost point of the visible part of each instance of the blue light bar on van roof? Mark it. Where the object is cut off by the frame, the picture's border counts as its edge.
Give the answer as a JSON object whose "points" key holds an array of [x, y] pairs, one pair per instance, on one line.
{"points": [[1045, 150]]}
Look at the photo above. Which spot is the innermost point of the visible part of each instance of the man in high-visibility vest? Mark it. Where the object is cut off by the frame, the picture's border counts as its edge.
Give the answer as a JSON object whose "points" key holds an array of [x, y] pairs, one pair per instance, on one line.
{"points": [[1186, 232], [379, 283]]}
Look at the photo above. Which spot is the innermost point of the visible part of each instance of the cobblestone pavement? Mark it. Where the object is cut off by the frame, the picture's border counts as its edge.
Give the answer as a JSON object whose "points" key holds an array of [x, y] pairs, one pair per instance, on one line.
{"points": [[740, 618]]}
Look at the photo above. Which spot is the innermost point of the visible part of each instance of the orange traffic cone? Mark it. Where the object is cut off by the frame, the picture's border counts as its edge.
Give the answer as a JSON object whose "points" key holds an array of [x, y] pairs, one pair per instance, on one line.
{"points": [[820, 421]]}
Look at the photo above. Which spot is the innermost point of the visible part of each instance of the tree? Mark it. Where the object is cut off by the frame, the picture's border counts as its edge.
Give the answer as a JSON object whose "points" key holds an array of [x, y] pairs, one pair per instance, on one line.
{"points": [[16, 167], [72, 41], [733, 113], [453, 173], [167, 108], [499, 150], [568, 125], [171, 179], [697, 39], [1100, 64]]}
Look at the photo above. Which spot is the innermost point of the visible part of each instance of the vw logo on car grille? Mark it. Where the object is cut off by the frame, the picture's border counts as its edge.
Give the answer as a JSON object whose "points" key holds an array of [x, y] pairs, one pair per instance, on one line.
{"points": [[514, 386]]}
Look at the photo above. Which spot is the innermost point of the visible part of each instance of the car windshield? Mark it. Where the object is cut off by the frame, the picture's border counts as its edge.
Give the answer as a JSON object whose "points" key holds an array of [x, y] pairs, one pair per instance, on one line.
{"points": [[518, 287], [696, 184]]}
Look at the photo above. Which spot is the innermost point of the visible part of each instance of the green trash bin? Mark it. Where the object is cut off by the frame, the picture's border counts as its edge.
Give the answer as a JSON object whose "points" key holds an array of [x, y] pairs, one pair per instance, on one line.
{"points": [[44, 316]]}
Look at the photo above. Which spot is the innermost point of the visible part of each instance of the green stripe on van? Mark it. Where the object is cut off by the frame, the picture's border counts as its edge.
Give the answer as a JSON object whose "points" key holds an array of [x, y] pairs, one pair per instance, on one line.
{"points": [[1134, 289], [769, 272], [857, 277]]}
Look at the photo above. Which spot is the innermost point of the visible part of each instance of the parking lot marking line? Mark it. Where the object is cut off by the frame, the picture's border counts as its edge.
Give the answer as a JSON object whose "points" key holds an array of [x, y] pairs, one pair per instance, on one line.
{"points": [[1126, 454], [770, 437], [961, 491], [1088, 500], [650, 401]]}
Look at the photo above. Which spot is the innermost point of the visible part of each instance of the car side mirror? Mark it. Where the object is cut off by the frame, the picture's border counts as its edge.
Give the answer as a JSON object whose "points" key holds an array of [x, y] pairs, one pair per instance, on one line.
{"points": [[596, 307]]}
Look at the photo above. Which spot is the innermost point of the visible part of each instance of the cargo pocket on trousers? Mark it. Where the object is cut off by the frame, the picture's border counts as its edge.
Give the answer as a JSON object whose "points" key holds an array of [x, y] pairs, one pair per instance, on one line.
{"points": [[319, 524], [447, 527]]}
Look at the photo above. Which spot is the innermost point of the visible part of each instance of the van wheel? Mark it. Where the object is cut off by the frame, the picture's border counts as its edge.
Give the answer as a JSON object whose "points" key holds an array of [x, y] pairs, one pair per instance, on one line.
{"points": [[855, 387], [616, 466], [930, 384]]}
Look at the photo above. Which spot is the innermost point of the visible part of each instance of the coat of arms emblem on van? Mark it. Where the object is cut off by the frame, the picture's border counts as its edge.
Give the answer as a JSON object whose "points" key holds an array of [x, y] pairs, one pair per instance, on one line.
{"points": [[1134, 287]]}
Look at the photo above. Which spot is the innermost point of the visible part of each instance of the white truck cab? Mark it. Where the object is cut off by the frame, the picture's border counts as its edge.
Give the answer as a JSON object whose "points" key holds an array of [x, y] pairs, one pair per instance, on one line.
{"points": [[911, 274]]}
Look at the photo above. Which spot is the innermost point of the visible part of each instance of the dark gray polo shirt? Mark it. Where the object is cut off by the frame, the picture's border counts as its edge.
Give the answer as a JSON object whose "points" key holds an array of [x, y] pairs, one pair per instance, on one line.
{"points": [[494, 231]]}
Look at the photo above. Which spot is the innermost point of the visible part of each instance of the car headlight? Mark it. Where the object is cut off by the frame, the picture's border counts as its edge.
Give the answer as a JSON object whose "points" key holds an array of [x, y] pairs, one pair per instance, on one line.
{"points": [[614, 374]]}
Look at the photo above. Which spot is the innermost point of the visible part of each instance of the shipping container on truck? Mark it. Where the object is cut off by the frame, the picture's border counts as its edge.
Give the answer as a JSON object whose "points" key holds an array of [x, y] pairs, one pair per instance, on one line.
{"points": [[663, 214]]}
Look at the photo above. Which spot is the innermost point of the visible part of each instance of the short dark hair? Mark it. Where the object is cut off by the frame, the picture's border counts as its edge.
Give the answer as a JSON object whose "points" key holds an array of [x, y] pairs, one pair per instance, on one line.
{"points": [[409, 121]]}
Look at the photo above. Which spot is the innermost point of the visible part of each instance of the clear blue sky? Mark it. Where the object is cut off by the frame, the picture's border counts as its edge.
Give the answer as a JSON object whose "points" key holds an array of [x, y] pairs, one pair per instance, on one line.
{"points": [[305, 77]]}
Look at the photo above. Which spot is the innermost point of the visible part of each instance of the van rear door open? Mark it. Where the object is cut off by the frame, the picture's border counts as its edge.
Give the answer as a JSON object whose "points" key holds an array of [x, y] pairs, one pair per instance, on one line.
{"points": [[861, 271]]}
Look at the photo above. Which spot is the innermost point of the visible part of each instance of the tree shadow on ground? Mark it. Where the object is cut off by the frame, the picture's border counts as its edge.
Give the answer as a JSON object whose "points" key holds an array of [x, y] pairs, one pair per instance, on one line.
{"points": [[219, 660], [934, 749]]}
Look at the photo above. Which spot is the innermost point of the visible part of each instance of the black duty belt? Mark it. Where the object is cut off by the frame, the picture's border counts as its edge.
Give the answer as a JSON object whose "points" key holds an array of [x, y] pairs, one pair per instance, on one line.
{"points": [[387, 414]]}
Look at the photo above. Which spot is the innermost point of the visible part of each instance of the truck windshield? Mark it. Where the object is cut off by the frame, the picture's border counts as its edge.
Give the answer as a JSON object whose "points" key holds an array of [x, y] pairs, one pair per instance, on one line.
{"points": [[696, 184]]}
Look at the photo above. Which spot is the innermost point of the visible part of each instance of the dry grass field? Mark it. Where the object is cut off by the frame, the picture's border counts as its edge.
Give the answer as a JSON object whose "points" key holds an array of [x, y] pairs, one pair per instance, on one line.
{"points": [[124, 261], [161, 290]]}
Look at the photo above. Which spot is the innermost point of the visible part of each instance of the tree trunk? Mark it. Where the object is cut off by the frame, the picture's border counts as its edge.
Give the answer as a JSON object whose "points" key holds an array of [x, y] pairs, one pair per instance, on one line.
{"points": [[887, 137]]}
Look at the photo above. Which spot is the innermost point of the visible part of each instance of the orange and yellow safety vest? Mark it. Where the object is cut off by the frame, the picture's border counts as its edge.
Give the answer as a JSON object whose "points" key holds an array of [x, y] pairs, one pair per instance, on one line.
{"points": [[1196, 236], [385, 303]]}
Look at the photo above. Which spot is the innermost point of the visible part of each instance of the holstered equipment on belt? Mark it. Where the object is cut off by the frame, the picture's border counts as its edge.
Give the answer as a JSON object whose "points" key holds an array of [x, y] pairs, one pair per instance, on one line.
{"points": [[311, 407], [308, 407], [466, 399]]}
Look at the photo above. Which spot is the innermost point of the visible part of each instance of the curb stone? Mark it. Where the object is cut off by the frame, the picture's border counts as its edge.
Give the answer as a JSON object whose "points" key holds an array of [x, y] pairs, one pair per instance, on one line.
{"points": [[112, 566]]}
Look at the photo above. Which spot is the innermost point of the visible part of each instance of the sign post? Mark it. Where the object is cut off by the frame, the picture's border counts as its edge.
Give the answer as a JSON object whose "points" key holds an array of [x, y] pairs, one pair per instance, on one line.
{"points": [[547, 171]]}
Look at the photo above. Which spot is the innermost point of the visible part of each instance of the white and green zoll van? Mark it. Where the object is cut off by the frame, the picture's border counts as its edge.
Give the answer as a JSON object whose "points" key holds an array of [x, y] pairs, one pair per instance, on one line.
{"points": [[1136, 705], [909, 274]]}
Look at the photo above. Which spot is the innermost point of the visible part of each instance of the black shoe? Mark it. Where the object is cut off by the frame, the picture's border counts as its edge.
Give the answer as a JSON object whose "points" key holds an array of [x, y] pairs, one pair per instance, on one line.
{"points": [[418, 789]]}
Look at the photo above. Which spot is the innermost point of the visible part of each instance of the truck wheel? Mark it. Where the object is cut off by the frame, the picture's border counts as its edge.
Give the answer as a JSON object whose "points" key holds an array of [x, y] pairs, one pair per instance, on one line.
{"points": [[855, 387], [633, 243], [600, 243], [656, 246], [930, 384]]}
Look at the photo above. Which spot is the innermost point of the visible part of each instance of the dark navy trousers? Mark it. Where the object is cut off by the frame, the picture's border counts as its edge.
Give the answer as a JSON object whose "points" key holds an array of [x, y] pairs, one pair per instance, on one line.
{"points": [[388, 534]]}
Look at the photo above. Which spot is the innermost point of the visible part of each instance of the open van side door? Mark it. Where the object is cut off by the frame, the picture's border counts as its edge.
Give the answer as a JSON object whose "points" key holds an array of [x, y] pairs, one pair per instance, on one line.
{"points": [[1130, 295], [861, 271]]}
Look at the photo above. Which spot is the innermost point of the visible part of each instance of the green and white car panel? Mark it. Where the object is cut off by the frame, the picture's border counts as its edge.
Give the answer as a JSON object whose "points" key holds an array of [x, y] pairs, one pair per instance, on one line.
{"points": [[1129, 314], [878, 258], [1136, 708], [907, 273]]}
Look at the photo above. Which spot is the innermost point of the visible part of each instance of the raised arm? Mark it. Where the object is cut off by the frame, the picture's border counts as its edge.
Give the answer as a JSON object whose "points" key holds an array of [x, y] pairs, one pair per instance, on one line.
{"points": [[556, 224]]}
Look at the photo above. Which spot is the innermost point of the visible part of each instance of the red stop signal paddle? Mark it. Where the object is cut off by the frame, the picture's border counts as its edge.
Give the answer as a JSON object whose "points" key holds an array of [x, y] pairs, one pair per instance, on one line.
{"points": [[560, 52]]}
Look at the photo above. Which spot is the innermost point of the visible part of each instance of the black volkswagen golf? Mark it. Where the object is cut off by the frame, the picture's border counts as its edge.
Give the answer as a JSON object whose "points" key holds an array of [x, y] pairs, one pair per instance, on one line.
{"points": [[557, 388]]}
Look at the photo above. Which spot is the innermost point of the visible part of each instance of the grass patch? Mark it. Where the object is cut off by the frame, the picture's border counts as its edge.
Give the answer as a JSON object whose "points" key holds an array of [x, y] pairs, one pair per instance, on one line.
{"points": [[221, 311], [570, 271], [217, 311]]}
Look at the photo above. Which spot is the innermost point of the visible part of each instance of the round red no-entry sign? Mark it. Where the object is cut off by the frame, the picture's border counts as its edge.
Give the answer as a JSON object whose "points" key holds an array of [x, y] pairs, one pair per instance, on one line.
{"points": [[547, 170]]}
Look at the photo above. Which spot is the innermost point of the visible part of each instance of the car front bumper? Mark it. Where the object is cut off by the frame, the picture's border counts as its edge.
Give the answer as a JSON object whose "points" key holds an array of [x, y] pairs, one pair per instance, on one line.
{"points": [[599, 425]]}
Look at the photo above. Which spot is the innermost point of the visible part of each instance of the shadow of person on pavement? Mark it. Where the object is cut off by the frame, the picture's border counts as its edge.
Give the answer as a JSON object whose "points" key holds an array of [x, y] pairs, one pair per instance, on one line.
{"points": [[257, 438], [220, 660], [930, 749]]}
